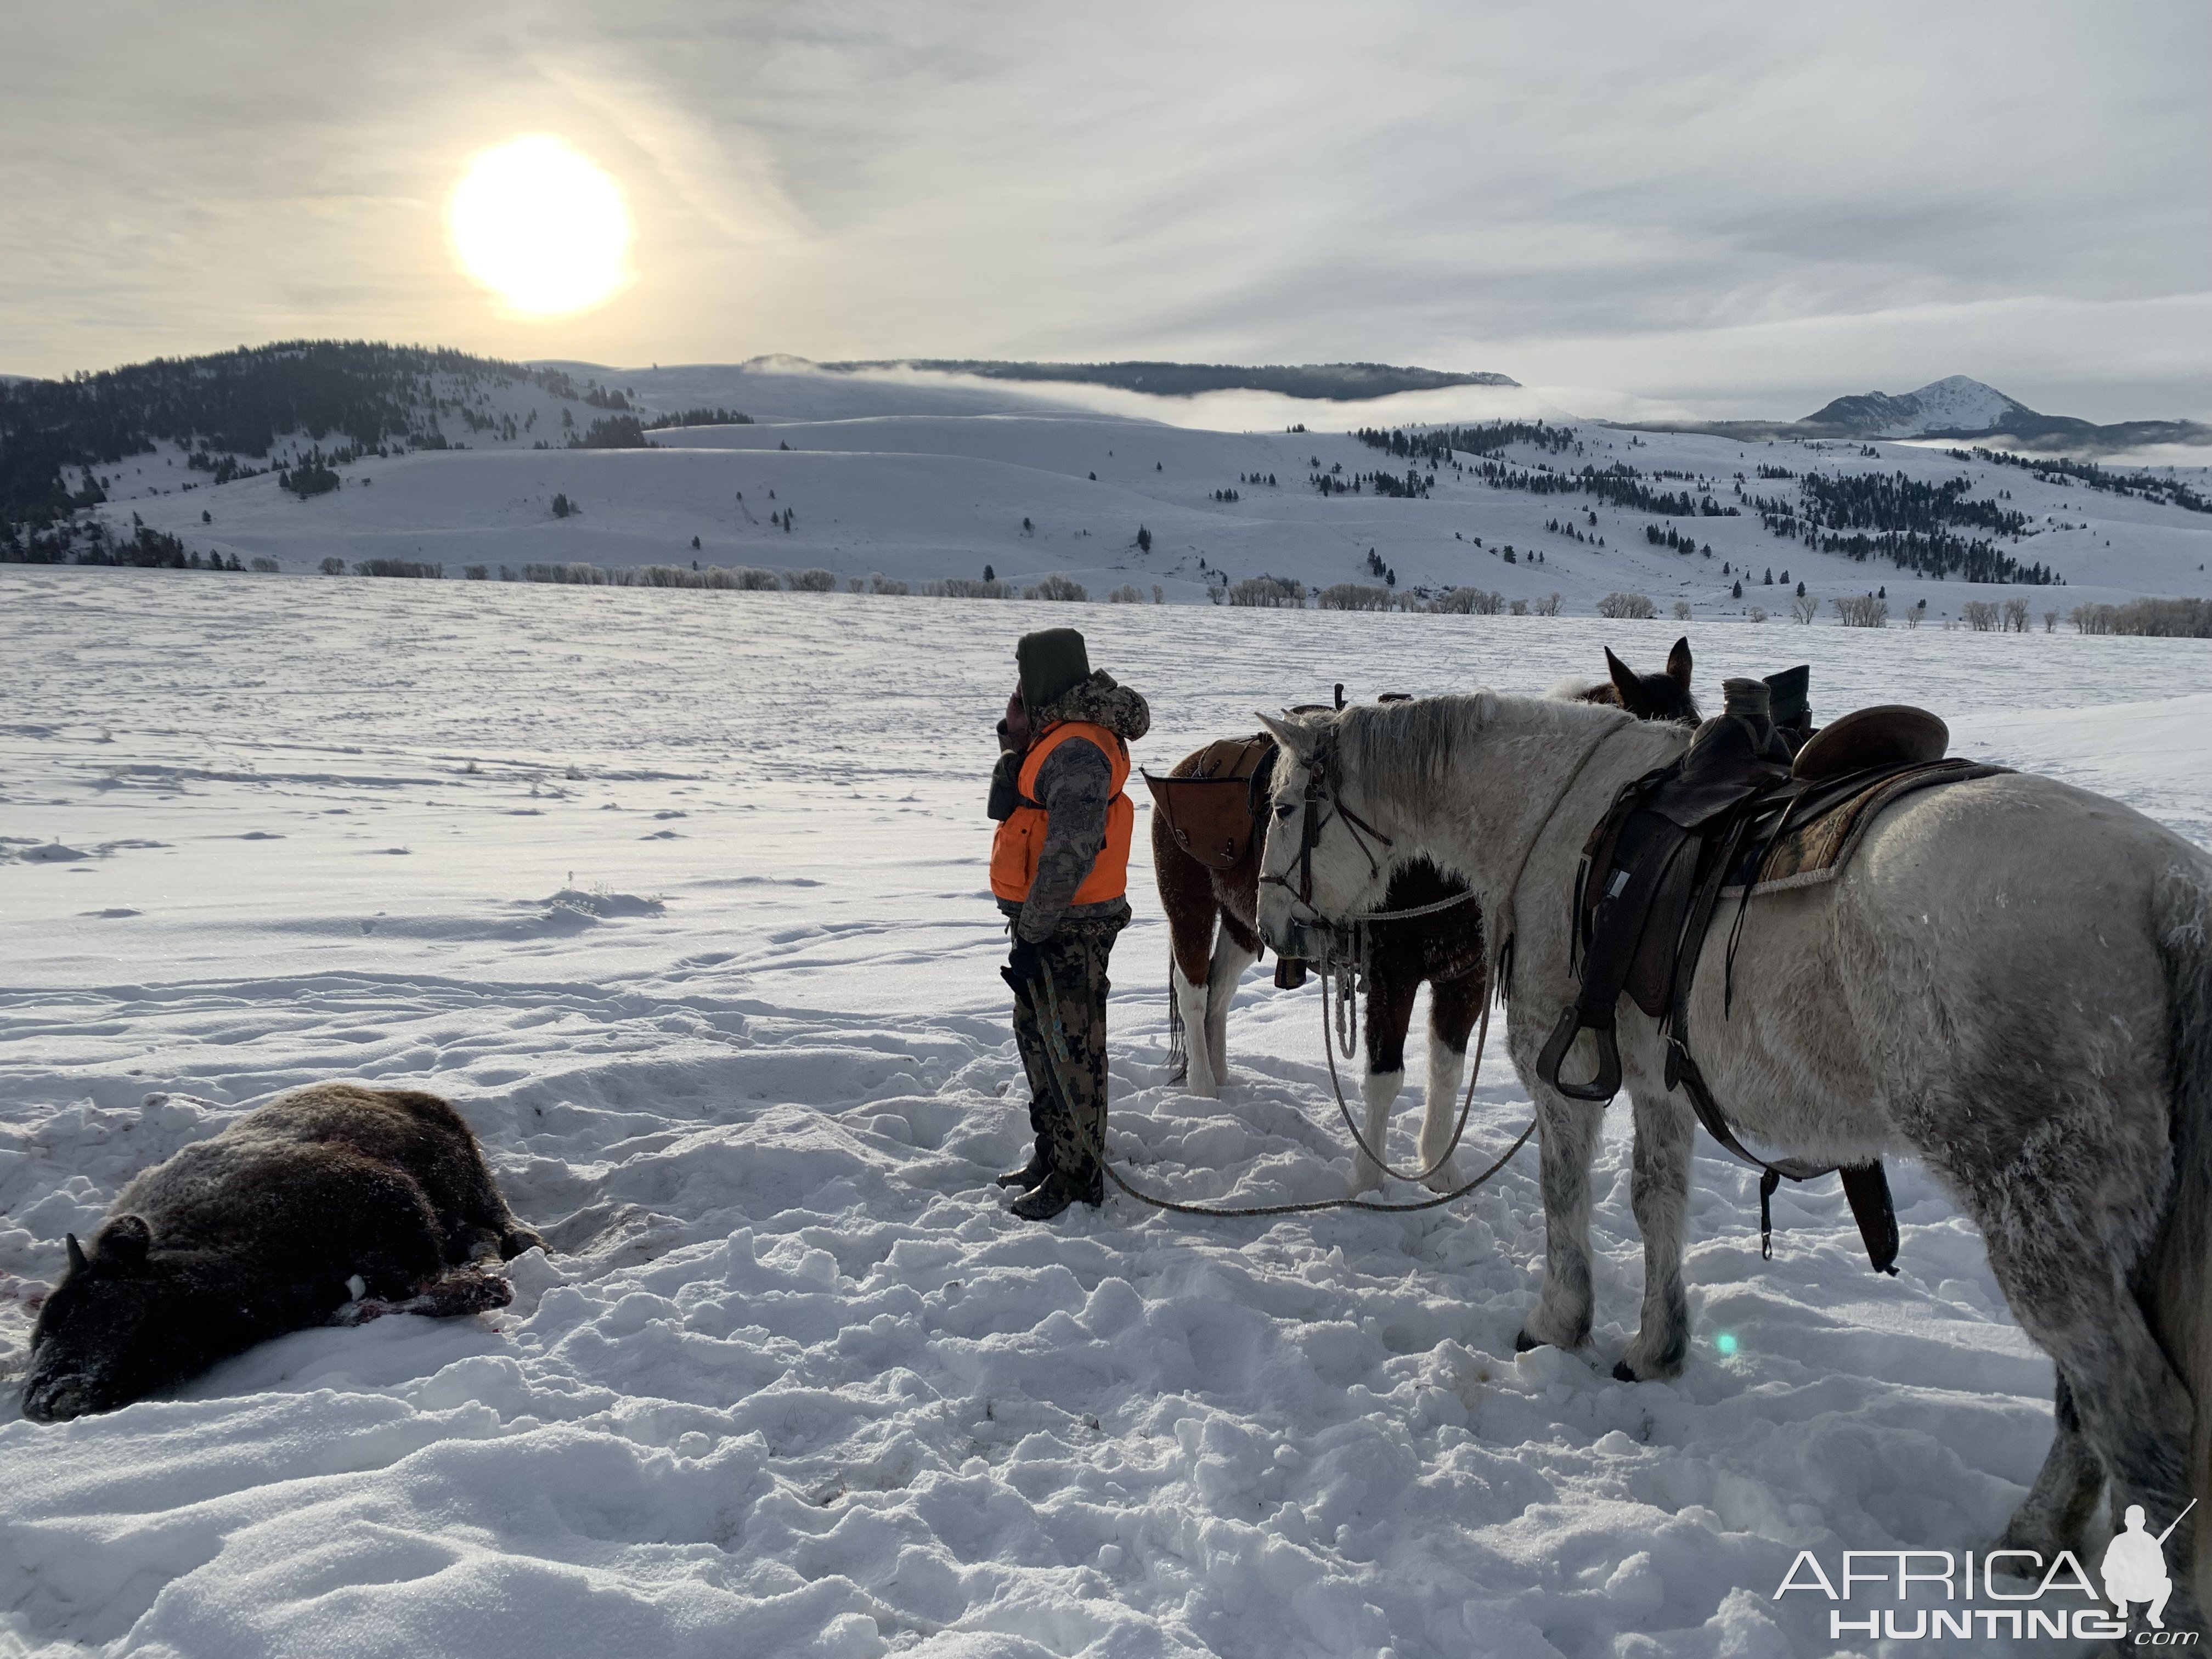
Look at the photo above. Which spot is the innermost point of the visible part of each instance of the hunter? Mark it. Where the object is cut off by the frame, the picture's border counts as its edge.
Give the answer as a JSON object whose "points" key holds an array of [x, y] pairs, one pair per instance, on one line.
{"points": [[1060, 867]]}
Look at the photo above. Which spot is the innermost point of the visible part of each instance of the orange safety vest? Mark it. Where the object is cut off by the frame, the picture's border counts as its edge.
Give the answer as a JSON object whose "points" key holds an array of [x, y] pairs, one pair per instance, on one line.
{"points": [[1014, 849]]}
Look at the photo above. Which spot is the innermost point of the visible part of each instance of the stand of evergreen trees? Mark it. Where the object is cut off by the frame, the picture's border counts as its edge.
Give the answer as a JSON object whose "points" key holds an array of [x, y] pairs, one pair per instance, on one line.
{"points": [[1876, 501], [1905, 521], [698, 417], [613, 432], [371, 396], [2148, 486], [1435, 445]]}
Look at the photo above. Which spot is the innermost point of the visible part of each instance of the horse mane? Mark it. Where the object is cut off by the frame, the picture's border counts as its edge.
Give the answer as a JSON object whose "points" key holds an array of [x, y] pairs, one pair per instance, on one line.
{"points": [[1581, 688], [1404, 751]]}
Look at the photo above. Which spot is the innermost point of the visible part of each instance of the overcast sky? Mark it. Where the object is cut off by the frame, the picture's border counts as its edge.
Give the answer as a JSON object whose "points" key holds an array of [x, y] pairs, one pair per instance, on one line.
{"points": [[1728, 208]]}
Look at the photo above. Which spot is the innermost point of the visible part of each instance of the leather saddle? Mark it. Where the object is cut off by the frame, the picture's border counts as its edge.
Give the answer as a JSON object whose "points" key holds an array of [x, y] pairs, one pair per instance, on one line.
{"points": [[1654, 870], [1212, 812]]}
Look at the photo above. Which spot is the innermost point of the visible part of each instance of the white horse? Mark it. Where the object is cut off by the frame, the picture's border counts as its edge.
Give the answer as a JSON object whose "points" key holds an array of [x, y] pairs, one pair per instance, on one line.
{"points": [[2012, 980]]}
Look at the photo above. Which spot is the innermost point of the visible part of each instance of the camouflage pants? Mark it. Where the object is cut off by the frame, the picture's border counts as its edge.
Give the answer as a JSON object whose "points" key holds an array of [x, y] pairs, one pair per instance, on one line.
{"points": [[1075, 955]]}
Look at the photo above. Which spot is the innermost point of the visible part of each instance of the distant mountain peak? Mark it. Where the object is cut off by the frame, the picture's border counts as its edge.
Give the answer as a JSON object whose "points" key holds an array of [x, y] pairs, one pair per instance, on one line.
{"points": [[1954, 406], [1952, 385]]}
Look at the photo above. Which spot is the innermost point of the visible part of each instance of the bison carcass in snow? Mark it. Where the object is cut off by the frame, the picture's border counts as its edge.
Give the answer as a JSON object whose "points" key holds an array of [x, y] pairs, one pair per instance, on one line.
{"points": [[330, 1194]]}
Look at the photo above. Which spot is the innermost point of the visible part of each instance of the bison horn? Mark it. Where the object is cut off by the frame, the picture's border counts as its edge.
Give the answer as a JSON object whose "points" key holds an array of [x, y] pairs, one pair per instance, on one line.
{"points": [[76, 1255]]}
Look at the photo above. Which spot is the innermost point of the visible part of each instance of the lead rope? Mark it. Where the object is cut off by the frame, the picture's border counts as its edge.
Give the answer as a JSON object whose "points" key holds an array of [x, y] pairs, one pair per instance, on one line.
{"points": [[1349, 977], [1060, 1062], [1466, 1106], [1343, 1018], [1341, 1029]]}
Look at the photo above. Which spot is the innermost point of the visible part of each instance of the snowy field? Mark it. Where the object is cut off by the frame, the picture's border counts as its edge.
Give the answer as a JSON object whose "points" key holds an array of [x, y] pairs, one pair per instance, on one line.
{"points": [[680, 896]]}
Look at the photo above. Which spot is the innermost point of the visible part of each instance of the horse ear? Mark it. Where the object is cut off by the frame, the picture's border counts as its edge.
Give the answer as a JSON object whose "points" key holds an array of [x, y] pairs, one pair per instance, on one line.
{"points": [[1678, 663], [126, 1240], [1624, 680], [1294, 738]]}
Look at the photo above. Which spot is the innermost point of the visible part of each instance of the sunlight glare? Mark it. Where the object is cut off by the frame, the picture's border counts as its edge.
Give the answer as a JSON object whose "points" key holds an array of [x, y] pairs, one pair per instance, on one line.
{"points": [[540, 225]]}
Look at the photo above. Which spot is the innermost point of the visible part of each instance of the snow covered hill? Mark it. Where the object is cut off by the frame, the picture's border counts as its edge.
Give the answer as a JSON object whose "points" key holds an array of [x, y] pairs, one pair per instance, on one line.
{"points": [[922, 479], [681, 896]]}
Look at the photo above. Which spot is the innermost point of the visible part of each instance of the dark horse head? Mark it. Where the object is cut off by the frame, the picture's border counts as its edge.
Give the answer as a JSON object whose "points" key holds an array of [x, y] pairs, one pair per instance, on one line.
{"points": [[1661, 696]]}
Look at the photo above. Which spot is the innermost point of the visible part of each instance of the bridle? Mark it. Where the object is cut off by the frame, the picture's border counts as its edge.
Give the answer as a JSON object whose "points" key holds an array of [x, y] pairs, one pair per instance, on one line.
{"points": [[1320, 791]]}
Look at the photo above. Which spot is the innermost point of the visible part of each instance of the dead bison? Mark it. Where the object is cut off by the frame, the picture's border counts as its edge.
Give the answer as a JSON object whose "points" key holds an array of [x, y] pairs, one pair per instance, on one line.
{"points": [[332, 1193]]}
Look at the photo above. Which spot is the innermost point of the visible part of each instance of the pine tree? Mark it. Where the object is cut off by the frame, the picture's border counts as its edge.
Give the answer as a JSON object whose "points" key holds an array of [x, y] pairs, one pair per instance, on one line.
{"points": [[1144, 539]]}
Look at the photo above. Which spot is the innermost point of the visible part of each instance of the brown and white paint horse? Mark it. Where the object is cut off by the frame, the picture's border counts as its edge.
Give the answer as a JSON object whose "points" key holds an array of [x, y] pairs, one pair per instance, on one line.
{"points": [[1213, 925], [1661, 696]]}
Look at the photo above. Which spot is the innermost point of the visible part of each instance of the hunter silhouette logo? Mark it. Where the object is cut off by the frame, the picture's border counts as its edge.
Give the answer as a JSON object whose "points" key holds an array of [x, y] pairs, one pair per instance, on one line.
{"points": [[2135, 1566]]}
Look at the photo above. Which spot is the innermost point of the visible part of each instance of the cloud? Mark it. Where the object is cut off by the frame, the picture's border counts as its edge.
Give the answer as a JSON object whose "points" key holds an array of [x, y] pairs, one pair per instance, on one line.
{"points": [[1767, 205]]}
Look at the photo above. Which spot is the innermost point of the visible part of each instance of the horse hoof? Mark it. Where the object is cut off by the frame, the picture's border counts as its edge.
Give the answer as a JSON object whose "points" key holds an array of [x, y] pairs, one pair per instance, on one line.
{"points": [[1522, 1342], [1622, 1373]]}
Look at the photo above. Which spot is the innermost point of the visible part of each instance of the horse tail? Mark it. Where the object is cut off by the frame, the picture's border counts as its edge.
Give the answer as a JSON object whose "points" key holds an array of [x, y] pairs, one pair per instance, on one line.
{"points": [[2180, 1305], [1178, 1045]]}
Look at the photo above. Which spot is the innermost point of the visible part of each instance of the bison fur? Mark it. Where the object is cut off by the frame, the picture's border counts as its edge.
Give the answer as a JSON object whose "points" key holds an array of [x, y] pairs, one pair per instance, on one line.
{"points": [[331, 1195]]}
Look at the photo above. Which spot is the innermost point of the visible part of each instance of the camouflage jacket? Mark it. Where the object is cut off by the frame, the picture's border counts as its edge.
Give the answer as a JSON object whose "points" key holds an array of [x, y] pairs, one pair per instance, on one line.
{"points": [[1074, 786]]}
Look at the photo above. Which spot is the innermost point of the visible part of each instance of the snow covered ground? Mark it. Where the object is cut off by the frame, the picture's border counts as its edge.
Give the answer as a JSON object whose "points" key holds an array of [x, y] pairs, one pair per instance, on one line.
{"points": [[680, 896], [922, 477]]}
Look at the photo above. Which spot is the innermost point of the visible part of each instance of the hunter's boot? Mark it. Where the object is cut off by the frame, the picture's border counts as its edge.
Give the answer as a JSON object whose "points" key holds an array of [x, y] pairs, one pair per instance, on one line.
{"points": [[1040, 1163], [1060, 1189]]}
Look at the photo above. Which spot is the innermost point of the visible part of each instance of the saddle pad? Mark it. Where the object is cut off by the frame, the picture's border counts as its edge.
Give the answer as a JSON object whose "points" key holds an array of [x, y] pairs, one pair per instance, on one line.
{"points": [[1208, 808], [1818, 849]]}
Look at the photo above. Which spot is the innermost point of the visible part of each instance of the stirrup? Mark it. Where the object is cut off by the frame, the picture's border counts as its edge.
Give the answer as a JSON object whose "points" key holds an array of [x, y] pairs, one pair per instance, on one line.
{"points": [[1605, 1084]]}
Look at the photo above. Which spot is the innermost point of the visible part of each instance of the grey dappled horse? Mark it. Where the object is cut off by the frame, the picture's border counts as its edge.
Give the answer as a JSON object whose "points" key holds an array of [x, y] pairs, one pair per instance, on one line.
{"points": [[2011, 981]]}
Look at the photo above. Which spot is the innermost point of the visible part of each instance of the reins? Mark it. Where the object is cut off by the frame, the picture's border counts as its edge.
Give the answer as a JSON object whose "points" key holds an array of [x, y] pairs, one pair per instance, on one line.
{"points": [[1340, 1030], [1059, 1062], [1344, 1108], [1513, 888]]}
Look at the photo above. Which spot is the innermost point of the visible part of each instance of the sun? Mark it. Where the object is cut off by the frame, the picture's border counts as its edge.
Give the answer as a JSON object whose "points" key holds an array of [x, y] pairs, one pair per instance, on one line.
{"points": [[540, 225]]}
